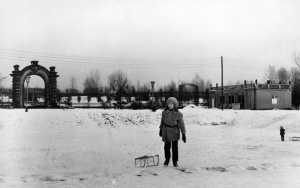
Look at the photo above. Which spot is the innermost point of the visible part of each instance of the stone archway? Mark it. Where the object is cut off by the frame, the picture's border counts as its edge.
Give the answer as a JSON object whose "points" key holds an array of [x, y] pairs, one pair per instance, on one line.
{"points": [[196, 93], [49, 78]]}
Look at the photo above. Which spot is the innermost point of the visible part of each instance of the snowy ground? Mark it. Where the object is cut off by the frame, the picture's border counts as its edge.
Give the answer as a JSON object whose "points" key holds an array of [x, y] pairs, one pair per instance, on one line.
{"points": [[96, 148]]}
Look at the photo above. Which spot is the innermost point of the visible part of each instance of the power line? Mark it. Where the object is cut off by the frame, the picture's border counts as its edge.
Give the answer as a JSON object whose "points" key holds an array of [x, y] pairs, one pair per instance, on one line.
{"points": [[245, 66], [243, 61], [119, 65], [134, 60], [87, 63], [147, 65], [133, 63], [104, 59]]}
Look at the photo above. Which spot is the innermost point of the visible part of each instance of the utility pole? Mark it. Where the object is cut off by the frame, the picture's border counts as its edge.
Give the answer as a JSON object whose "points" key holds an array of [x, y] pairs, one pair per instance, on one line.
{"points": [[222, 97]]}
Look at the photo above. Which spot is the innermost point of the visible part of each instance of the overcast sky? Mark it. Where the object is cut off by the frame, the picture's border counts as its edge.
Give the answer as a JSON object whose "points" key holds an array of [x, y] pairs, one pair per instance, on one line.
{"points": [[153, 40]]}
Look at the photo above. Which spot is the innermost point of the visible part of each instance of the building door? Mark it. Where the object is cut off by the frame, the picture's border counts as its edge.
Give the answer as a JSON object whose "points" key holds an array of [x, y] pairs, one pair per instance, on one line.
{"points": [[241, 100]]}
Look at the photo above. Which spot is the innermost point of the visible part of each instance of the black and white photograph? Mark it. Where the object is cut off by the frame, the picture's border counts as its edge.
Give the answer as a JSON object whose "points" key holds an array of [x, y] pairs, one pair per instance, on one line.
{"points": [[149, 93]]}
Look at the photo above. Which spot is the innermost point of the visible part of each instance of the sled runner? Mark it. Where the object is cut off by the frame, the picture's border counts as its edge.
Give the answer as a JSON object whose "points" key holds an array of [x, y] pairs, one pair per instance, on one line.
{"points": [[146, 161], [294, 138]]}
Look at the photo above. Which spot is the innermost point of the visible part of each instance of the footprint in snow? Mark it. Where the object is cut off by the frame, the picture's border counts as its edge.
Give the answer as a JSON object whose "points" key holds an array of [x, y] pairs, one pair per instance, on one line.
{"points": [[266, 166], [295, 165], [215, 169], [251, 168], [145, 173], [51, 179], [185, 170]]}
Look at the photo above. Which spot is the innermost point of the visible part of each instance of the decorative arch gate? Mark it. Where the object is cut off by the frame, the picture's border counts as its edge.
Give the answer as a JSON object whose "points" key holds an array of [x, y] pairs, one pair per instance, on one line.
{"points": [[196, 93], [49, 78]]}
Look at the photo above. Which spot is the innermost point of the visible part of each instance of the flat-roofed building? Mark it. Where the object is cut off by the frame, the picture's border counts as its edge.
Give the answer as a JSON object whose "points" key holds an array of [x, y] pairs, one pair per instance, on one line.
{"points": [[252, 96]]}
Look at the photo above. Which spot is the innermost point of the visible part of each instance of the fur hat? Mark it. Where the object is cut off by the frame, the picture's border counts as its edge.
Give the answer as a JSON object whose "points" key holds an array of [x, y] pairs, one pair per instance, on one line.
{"points": [[173, 100]]}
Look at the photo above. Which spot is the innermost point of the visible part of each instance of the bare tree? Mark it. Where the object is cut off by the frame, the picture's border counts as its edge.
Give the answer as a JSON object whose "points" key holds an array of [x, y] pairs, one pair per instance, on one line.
{"points": [[138, 86], [294, 75], [207, 84], [106, 89], [283, 75], [118, 81], [200, 82], [171, 85], [2, 79], [197, 80], [112, 82], [145, 87], [271, 74], [239, 82], [229, 83], [73, 83], [296, 58], [131, 89], [92, 83]]}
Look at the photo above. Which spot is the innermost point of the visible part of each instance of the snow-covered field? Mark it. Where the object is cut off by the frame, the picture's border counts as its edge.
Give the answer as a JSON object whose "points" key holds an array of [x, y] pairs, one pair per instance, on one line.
{"points": [[97, 148]]}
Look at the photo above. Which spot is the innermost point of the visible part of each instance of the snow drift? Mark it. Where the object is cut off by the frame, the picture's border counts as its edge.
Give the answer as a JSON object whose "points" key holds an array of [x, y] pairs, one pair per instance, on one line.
{"points": [[97, 147]]}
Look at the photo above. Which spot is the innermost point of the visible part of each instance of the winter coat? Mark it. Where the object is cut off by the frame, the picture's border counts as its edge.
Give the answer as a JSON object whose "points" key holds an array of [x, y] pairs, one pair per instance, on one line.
{"points": [[171, 125], [282, 132]]}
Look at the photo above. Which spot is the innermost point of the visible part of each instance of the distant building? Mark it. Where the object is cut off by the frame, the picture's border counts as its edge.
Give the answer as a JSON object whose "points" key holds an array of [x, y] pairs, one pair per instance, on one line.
{"points": [[252, 96]]}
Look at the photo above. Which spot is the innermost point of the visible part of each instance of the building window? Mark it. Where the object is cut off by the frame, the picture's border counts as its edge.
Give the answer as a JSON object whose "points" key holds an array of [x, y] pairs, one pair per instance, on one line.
{"points": [[240, 99], [275, 100], [220, 99], [230, 99]]}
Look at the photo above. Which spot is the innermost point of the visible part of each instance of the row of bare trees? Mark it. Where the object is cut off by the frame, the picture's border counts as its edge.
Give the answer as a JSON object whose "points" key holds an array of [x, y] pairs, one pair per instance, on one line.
{"points": [[284, 75], [281, 75], [119, 83]]}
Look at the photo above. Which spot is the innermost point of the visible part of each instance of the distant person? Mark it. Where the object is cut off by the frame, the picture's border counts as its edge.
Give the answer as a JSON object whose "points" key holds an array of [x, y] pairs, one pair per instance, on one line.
{"points": [[170, 127], [282, 132]]}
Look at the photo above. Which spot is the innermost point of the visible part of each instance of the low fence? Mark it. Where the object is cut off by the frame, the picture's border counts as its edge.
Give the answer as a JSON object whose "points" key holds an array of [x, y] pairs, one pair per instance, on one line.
{"points": [[100, 100]]}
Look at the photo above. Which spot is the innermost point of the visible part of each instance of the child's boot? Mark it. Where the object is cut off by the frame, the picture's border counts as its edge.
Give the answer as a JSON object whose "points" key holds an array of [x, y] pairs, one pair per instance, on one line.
{"points": [[175, 164], [166, 163]]}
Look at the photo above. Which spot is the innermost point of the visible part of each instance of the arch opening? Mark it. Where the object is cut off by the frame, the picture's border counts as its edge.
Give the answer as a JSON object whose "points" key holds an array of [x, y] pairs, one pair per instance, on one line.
{"points": [[188, 94], [40, 78], [34, 95]]}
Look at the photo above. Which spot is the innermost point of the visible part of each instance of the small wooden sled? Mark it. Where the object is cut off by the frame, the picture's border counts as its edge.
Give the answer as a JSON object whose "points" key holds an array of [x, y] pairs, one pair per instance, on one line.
{"points": [[294, 138], [146, 161]]}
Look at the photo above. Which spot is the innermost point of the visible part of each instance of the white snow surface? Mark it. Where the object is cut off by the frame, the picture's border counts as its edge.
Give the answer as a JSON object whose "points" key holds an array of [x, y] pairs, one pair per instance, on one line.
{"points": [[97, 148]]}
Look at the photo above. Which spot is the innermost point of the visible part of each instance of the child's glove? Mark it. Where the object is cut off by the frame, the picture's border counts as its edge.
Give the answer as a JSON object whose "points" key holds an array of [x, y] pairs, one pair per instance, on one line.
{"points": [[160, 132], [183, 137]]}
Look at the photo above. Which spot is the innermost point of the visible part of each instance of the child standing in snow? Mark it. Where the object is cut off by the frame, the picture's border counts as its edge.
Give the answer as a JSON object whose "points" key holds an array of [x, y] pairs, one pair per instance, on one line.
{"points": [[170, 127], [282, 132]]}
